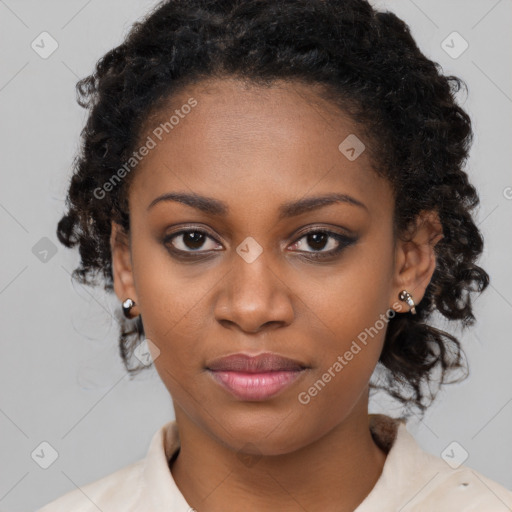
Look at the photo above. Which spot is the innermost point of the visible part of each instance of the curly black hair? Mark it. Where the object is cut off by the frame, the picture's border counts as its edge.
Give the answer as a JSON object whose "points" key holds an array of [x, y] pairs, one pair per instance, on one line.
{"points": [[364, 61]]}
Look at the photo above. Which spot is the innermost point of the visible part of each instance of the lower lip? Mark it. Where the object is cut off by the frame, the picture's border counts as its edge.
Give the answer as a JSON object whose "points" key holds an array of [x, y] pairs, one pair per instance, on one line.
{"points": [[255, 386]]}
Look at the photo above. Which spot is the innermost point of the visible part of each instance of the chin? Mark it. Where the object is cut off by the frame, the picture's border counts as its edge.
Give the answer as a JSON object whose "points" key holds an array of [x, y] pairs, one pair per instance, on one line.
{"points": [[261, 433]]}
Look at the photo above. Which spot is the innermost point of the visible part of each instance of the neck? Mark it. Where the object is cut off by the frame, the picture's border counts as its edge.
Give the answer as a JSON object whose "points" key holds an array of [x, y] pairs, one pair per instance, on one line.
{"points": [[334, 472]]}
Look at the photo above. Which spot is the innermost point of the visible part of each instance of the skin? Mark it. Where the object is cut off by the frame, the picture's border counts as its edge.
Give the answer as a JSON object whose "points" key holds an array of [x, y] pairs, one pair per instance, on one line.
{"points": [[255, 149]]}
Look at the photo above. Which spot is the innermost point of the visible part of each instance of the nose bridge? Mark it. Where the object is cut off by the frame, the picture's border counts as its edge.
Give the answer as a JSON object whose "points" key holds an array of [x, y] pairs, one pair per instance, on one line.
{"points": [[254, 293]]}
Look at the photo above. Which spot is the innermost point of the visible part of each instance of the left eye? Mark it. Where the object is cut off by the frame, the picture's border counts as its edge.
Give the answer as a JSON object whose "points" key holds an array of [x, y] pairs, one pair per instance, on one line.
{"points": [[318, 240]]}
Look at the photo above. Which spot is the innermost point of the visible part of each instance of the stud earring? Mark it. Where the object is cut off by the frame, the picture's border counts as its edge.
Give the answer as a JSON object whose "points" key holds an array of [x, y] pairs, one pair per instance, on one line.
{"points": [[405, 296], [127, 306]]}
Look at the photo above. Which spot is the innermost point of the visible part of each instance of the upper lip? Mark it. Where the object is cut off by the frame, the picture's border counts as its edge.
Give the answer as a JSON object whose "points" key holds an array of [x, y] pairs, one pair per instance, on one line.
{"points": [[265, 362]]}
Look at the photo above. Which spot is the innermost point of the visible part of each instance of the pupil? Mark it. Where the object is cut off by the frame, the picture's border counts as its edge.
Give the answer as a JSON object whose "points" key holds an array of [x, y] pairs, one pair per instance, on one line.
{"points": [[194, 237], [318, 238]]}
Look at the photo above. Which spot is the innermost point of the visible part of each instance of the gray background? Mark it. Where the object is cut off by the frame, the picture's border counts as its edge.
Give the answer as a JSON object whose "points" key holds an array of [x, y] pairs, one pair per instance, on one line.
{"points": [[61, 378]]}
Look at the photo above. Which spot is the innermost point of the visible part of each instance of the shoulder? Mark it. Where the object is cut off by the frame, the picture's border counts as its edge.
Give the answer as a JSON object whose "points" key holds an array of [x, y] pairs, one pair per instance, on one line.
{"points": [[146, 484], [442, 488], [464, 489], [415, 480], [114, 492]]}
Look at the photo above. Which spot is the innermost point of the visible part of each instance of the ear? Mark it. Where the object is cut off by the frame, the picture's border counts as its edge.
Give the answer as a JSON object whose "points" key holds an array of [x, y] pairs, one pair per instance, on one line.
{"points": [[124, 286], [415, 259]]}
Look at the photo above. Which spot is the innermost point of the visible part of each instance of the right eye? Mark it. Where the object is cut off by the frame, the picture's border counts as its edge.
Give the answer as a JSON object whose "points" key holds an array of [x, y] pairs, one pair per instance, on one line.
{"points": [[188, 241]]}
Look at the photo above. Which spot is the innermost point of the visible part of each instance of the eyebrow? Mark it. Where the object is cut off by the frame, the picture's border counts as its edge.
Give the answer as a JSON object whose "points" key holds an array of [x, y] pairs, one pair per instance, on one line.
{"points": [[286, 210]]}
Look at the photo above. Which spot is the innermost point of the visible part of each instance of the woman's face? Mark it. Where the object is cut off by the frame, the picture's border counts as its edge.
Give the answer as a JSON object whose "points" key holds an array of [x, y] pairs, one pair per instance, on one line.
{"points": [[247, 278]]}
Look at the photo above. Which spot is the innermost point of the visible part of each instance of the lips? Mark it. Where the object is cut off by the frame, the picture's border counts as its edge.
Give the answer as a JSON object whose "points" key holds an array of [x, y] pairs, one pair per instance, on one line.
{"points": [[266, 362], [255, 378]]}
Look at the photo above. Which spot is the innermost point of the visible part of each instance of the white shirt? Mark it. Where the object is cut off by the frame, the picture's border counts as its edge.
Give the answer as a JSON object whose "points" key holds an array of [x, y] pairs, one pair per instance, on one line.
{"points": [[412, 480]]}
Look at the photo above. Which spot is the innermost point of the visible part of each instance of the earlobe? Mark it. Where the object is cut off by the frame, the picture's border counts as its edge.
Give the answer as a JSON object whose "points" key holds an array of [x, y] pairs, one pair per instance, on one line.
{"points": [[416, 257], [122, 271]]}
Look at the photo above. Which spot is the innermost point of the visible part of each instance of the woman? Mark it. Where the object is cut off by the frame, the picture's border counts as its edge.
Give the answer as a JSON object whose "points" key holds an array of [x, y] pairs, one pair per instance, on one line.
{"points": [[275, 192]]}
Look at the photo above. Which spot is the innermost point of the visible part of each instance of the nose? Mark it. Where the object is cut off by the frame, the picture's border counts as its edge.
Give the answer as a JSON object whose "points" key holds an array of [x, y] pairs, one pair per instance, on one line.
{"points": [[254, 297]]}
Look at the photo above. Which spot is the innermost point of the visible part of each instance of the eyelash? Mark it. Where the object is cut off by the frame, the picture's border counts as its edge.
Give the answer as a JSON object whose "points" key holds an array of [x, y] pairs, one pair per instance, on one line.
{"points": [[343, 242]]}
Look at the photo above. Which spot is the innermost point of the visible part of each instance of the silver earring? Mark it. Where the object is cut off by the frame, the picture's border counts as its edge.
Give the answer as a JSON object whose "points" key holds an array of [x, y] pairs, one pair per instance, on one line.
{"points": [[405, 296], [127, 306]]}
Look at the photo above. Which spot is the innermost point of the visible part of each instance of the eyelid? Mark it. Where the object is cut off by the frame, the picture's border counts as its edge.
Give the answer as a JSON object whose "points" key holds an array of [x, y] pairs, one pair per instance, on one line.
{"points": [[191, 227], [347, 233]]}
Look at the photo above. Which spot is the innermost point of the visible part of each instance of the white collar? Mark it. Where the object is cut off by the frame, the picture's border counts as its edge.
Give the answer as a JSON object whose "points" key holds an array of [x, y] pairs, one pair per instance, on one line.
{"points": [[160, 490]]}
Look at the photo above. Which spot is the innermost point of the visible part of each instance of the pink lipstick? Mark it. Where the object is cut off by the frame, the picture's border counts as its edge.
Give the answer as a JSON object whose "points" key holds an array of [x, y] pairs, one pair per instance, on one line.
{"points": [[255, 378]]}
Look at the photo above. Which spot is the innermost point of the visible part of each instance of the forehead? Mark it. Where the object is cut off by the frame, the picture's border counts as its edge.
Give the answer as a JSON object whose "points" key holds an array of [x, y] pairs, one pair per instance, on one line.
{"points": [[247, 144]]}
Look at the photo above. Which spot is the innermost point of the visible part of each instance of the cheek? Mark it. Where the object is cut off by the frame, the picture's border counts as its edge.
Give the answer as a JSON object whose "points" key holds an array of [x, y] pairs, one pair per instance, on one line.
{"points": [[170, 292], [349, 314], [170, 300], [355, 295]]}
